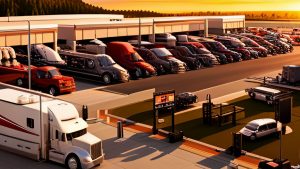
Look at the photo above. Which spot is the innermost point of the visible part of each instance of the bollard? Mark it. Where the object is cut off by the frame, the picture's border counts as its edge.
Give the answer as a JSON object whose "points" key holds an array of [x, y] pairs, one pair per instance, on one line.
{"points": [[84, 112], [120, 129]]}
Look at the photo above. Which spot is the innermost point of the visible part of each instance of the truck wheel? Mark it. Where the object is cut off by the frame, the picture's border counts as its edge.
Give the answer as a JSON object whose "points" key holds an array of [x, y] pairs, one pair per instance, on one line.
{"points": [[107, 78], [19, 82], [138, 73], [252, 137], [53, 91], [73, 162], [252, 95]]}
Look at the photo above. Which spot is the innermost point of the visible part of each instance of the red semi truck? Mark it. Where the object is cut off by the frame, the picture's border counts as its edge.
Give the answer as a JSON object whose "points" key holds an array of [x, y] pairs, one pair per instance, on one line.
{"points": [[125, 55]]}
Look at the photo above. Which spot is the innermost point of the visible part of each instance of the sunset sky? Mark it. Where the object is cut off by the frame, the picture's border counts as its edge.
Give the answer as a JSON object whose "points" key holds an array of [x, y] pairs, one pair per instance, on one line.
{"points": [[199, 5]]}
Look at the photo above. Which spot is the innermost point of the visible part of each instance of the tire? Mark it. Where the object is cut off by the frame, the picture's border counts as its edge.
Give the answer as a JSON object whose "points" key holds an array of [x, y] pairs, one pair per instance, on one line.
{"points": [[252, 137], [138, 73], [252, 95], [19, 82], [107, 78], [73, 162], [52, 90]]}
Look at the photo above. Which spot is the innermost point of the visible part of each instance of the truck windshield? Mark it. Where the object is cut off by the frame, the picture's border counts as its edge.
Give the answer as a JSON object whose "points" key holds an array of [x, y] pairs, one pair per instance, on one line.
{"points": [[218, 45], [106, 61], [238, 44], [251, 126], [54, 72], [135, 57], [76, 134]]}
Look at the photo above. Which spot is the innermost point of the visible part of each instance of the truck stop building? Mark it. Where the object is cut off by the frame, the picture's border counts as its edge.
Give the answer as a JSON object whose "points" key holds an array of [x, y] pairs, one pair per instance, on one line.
{"points": [[16, 34], [73, 28], [225, 24]]}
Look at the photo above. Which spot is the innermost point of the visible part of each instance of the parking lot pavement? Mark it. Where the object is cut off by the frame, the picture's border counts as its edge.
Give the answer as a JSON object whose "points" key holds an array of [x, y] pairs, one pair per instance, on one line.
{"points": [[134, 151], [138, 150]]}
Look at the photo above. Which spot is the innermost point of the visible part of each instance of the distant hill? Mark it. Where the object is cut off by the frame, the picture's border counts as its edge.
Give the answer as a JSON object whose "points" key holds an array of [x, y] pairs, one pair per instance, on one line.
{"points": [[50, 7]]}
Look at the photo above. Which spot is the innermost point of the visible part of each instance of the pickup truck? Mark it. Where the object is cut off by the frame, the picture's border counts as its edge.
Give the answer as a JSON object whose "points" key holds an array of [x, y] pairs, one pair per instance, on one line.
{"points": [[47, 78]]}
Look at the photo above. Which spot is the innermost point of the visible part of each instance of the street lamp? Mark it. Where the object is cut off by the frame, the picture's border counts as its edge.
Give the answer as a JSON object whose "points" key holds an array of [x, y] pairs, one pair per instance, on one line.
{"points": [[29, 56]]}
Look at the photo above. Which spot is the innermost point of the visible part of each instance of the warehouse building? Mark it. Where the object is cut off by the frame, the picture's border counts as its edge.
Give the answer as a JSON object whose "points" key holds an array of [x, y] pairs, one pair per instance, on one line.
{"points": [[73, 28]]}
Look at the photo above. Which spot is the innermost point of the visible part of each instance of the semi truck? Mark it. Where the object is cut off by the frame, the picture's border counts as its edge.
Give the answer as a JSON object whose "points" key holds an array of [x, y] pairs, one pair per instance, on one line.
{"points": [[40, 128]]}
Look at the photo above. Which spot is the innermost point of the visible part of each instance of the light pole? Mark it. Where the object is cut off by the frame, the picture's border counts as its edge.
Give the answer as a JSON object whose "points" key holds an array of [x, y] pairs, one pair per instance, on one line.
{"points": [[29, 56]]}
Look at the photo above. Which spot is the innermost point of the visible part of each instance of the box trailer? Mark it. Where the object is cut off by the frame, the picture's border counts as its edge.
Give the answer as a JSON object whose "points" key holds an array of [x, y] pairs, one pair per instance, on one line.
{"points": [[44, 128]]}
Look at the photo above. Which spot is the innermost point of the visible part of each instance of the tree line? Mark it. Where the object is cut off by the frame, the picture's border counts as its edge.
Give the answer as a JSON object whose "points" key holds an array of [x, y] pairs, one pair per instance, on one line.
{"points": [[51, 7]]}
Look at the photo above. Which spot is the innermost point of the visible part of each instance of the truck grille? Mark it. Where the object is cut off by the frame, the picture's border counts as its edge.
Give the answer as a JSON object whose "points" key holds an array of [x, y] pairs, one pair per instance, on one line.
{"points": [[96, 150]]}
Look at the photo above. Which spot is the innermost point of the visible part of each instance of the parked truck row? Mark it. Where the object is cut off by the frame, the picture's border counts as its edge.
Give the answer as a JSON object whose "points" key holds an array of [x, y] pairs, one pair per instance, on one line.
{"points": [[121, 61]]}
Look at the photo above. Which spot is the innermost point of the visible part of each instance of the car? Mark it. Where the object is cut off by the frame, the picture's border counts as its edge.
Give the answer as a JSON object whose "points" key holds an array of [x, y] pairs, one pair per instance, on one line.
{"points": [[259, 128], [263, 94], [186, 98]]}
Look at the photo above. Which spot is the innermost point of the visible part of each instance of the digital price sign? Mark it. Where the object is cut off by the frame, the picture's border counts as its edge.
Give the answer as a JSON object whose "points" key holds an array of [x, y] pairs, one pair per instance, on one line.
{"points": [[164, 99]]}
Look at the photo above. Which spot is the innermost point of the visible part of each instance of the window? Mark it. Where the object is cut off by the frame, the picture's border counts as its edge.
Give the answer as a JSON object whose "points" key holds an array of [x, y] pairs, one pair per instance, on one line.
{"points": [[106, 61], [56, 134], [263, 128], [30, 123], [76, 134], [41, 74], [272, 125], [90, 64]]}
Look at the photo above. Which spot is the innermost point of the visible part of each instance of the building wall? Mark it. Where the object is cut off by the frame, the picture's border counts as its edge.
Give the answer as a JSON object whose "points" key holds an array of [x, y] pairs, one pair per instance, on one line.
{"points": [[17, 38]]}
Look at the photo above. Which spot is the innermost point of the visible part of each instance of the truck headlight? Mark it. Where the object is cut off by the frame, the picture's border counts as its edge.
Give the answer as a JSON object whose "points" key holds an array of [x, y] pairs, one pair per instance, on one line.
{"points": [[87, 159]]}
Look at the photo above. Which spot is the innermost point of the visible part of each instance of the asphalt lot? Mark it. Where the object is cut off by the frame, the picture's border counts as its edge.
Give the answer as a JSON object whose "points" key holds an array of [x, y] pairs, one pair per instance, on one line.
{"points": [[205, 78]]}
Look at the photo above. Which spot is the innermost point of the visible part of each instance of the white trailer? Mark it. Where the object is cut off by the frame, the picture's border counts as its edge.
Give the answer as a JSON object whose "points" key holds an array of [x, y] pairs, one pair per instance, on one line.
{"points": [[43, 128]]}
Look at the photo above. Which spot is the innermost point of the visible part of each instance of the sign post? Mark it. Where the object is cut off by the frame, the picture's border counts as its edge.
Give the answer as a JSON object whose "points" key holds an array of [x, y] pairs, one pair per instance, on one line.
{"points": [[283, 112], [163, 100]]}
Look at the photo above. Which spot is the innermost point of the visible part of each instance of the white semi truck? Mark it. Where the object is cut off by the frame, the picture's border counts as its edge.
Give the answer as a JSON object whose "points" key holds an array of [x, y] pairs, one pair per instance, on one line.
{"points": [[48, 129]]}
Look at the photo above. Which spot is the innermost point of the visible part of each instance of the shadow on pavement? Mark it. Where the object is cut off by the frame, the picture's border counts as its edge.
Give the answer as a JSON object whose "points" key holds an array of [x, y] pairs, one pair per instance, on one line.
{"points": [[210, 162], [136, 147]]}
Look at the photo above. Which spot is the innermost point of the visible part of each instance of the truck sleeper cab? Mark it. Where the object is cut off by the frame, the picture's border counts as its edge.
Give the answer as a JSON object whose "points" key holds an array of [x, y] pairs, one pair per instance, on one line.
{"points": [[50, 130], [100, 66], [125, 55]]}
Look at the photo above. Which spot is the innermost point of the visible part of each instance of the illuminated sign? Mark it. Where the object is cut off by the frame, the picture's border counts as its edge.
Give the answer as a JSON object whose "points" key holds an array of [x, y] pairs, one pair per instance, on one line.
{"points": [[164, 99]]}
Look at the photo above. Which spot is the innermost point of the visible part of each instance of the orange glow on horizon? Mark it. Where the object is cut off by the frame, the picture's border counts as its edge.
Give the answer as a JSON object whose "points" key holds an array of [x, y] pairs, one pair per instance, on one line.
{"points": [[199, 5]]}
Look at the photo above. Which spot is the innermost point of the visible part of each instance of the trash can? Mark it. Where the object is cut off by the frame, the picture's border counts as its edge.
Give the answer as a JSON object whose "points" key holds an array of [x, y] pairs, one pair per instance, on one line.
{"points": [[120, 129]]}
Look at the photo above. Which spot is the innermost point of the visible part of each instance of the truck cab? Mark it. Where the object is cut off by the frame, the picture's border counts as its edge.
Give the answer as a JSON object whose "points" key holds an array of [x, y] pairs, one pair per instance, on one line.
{"points": [[125, 55], [49, 79], [71, 144]]}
